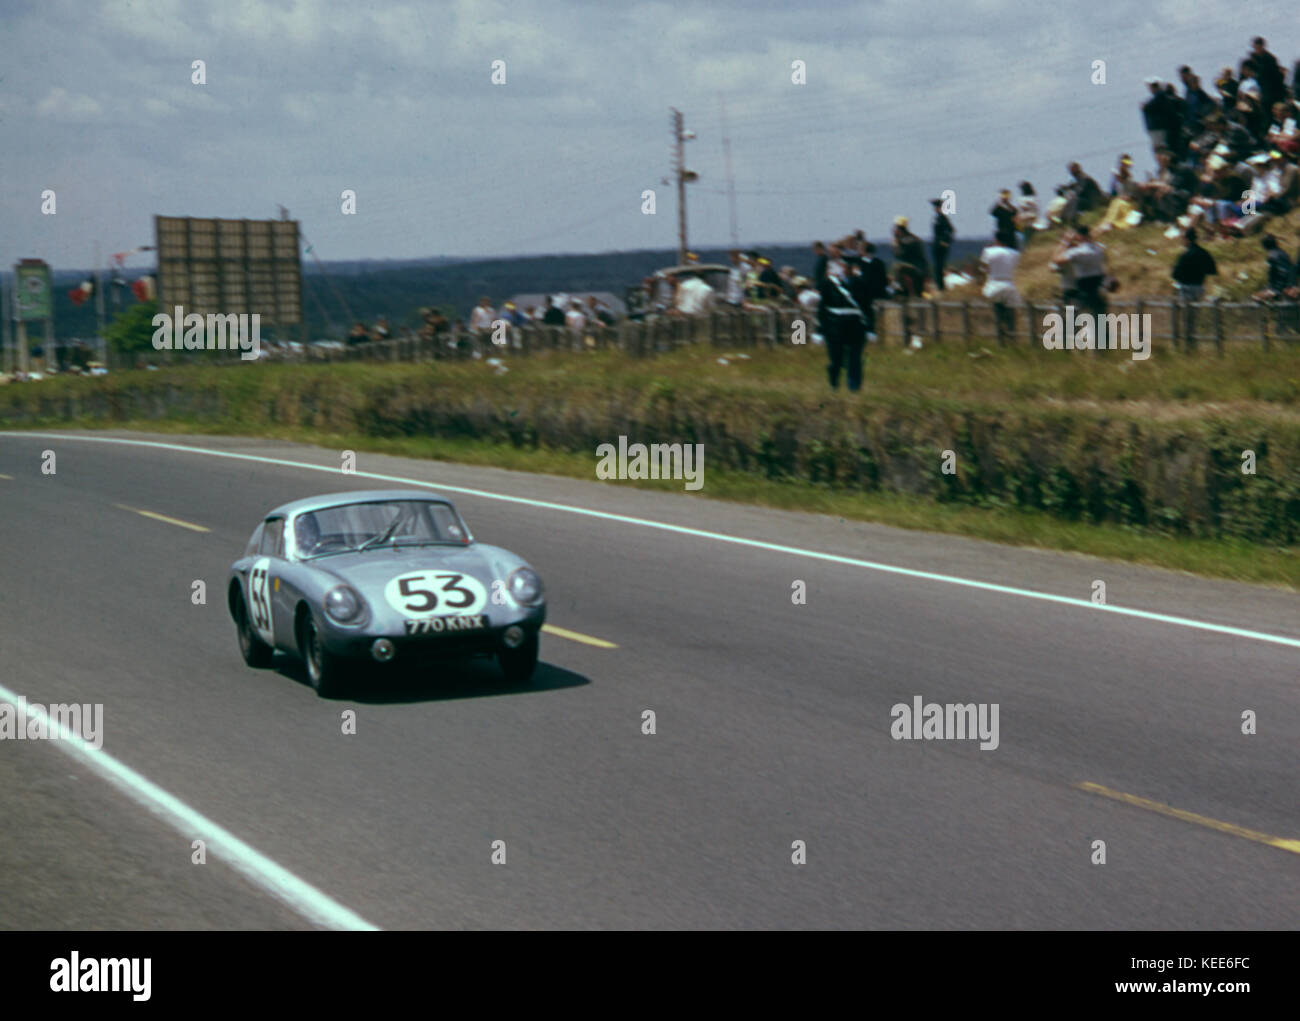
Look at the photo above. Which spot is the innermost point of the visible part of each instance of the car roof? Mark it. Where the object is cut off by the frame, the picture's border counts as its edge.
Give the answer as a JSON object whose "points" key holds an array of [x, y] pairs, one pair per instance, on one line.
{"points": [[313, 503]]}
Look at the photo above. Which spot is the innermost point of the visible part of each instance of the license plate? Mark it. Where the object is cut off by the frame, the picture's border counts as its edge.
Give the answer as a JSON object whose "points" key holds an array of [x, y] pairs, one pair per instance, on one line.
{"points": [[447, 625]]}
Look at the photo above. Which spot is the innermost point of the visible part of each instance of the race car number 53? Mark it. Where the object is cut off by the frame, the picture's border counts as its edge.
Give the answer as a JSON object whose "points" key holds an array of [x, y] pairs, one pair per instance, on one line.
{"points": [[435, 594]]}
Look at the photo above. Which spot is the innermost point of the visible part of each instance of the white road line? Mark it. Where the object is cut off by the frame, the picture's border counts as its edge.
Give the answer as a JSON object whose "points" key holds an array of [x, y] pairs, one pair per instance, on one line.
{"points": [[947, 579], [279, 882]]}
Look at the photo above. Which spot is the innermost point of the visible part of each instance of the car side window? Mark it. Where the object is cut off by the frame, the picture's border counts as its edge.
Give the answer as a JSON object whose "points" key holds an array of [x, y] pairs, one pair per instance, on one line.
{"points": [[273, 538], [254, 543]]}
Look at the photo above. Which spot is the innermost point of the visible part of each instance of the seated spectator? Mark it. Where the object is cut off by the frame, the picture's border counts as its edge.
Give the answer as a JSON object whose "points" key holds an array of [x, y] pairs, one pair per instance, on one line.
{"points": [[359, 335], [1226, 84], [575, 319], [1083, 194], [1125, 196], [1282, 132], [1279, 185], [1165, 195], [1027, 213]]}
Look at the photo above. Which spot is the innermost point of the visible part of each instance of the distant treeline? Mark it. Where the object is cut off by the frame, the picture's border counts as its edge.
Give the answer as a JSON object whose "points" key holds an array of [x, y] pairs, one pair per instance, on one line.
{"points": [[399, 288]]}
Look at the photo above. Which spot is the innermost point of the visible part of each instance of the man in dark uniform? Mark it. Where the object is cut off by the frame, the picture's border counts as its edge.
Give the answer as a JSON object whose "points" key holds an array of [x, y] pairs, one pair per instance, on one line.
{"points": [[845, 326]]}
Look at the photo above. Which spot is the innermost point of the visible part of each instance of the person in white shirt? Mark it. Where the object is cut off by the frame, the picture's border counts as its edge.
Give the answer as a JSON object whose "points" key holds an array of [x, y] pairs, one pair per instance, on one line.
{"points": [[480, 320], [810, 301], [1000, 260], [575, 320], [694, 296], [736, 278]]}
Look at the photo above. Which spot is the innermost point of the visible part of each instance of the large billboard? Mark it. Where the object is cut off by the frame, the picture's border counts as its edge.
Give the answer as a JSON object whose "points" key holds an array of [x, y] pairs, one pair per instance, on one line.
{"points": [[230, 267]]}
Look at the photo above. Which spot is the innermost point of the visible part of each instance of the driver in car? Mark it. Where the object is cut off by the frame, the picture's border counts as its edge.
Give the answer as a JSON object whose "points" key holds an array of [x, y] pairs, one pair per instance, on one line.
{"points": [[306, 533]]}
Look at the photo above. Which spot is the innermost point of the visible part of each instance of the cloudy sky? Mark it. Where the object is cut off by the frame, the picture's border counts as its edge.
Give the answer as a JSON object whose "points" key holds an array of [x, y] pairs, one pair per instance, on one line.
{"points": [[395, 100]]}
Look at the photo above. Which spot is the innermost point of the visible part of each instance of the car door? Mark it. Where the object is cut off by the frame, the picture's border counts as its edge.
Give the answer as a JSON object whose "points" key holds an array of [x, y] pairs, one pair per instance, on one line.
{"points": [[265, 613]]}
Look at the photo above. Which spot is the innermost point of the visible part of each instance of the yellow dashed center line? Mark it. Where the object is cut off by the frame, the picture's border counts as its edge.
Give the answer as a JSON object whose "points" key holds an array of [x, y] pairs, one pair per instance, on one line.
{"points": [[163, 517], [4, 476], [574, 636], [1200, 820]]}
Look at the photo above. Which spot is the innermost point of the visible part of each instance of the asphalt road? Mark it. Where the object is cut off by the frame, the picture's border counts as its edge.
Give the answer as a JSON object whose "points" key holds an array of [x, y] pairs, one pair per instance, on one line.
{"points": [[773, 722]]}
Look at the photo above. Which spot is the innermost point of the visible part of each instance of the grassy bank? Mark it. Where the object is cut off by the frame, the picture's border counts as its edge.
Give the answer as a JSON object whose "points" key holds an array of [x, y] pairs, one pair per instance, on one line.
{"points": [[1138, 461]]}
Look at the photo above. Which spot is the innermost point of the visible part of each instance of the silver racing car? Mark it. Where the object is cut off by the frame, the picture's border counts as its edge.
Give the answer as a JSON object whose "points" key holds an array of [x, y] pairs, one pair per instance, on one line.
{"points": [[378, 576]]}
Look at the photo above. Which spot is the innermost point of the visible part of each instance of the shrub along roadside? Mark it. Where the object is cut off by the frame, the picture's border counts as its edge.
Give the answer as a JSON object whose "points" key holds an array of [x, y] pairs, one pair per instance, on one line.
{"points": [[1177, 473]]}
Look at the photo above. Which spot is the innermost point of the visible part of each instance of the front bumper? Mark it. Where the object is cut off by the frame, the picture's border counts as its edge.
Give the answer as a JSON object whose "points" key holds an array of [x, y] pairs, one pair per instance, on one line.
{"points": [[433, 646]]}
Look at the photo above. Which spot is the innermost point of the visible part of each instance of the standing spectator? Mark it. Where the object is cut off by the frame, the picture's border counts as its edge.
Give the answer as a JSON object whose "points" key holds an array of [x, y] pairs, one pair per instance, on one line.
{"points": [[736, 279], [480, 319], [943, 235], [1000, 260], [1004, 214], [359, 335], [575, 319], [809, 300], [1189, 273], [910, 267], [1087, 262], [872, 285], [1157, 114], [769, 281], [382, 331], [1026, 212], [910, 271], [1272, 82], [694, 296], [1083, 193], [1197, 103], [1281, 281], [1280, 269], [554, 315], [845, 325]]}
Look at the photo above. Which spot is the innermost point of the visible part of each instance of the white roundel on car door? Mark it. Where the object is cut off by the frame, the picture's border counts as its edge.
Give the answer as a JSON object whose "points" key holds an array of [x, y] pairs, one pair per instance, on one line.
{"points": [[259, 600], [418, 594]]}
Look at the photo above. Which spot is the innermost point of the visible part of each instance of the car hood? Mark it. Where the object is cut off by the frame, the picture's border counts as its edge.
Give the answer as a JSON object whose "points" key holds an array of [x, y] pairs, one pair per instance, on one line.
{"points": [[370, 571]]}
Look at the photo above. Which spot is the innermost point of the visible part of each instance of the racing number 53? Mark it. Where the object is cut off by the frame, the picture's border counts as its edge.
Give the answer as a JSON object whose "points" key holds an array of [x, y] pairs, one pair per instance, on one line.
{"points": [[419, 593]]}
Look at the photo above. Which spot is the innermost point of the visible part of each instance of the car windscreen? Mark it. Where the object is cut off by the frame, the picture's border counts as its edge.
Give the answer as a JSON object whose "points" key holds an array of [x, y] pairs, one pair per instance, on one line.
{"points": [[376, 524]]}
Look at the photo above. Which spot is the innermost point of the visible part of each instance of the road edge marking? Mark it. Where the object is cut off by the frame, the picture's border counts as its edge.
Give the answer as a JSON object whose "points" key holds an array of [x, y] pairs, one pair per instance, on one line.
{"points": [[264, 873], [908, 572]]}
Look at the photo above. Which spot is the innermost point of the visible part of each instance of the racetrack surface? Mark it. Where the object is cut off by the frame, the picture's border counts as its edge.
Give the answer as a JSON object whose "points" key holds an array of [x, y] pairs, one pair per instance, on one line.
{"points": [[773, 721]]}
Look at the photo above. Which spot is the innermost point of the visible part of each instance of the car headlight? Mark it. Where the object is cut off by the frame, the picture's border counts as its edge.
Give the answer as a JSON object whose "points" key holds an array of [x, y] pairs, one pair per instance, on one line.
{"points": [[343, 604], [526, 587]]}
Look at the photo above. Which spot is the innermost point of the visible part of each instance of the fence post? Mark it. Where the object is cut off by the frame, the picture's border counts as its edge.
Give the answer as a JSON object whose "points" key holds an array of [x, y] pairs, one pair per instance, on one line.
{"points": [[965, 320], [1218, 328], [1263, 325], [1029, 323], [935, 334]]}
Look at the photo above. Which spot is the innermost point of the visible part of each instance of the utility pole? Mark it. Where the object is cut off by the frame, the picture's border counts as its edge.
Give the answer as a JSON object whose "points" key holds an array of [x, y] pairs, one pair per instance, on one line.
{"points": [[683, 176], [6, 353], [731, 184]]}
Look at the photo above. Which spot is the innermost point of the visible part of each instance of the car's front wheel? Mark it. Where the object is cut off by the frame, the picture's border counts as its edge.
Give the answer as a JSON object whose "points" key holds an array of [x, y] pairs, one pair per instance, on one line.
{"points": [[256, 652], [519, 664], [325, 671]]}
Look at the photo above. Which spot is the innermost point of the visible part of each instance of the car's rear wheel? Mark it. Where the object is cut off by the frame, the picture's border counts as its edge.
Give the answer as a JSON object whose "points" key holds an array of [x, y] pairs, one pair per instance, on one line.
{"points": [[256, 652], [519, 664], [325, 671]]}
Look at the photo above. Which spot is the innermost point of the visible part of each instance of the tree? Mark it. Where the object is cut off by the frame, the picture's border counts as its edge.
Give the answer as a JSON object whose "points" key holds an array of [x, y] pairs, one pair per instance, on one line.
{"points": [[132, 331]]}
